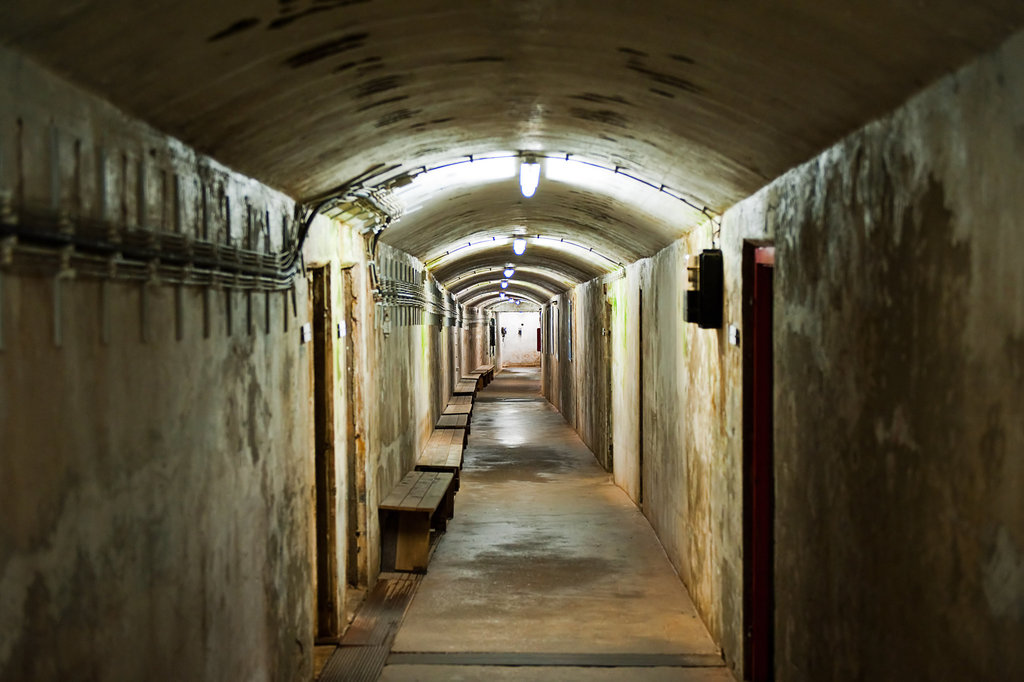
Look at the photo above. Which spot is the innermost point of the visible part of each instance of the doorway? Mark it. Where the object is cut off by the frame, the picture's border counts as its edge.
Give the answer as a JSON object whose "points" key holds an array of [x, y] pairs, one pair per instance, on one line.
{"points": [[325, 576], [758, 465]]}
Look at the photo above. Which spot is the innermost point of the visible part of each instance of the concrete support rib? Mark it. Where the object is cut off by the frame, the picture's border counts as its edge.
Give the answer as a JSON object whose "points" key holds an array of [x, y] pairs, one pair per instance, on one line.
{"points": [[547, 565]]}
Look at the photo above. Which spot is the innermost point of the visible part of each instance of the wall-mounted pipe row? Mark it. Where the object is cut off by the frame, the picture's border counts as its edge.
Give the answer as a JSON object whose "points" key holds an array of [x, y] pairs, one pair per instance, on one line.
{"points": [[42, 244]]}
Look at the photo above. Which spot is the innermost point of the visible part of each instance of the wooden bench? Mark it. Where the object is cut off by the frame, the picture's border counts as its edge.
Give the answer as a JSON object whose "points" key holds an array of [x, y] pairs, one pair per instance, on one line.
{"points": [[453, 421], [487, 372], [422, 501], [480, 376], [465, 408], [465, 387], [443, 452]]}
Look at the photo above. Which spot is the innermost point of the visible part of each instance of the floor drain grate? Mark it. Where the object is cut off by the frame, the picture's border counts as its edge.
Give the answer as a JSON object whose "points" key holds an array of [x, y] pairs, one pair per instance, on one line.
{"points": [[546, 660]]}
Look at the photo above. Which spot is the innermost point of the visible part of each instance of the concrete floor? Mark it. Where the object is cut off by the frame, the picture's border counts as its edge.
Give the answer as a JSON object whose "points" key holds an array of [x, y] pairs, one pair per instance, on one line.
{"points": [[547, 558]]}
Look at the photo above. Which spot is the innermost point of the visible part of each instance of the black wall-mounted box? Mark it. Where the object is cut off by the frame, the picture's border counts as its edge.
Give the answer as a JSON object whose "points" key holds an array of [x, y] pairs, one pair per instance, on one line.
{"points": [[703, 303]]}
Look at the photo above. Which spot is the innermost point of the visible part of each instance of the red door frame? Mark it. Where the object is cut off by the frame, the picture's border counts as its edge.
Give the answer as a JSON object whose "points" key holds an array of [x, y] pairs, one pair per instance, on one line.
{"points": [[758, 474]]}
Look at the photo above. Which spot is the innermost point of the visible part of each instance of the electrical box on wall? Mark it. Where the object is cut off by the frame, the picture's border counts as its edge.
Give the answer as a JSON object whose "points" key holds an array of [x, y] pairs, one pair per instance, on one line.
{"points": [[704, 289]]}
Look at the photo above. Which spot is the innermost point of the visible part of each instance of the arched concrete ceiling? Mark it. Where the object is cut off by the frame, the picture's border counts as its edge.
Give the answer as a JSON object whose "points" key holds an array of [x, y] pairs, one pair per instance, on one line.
{"points": [[538, 291], [712, 99], [550, 280], [620, 218], [524, 306], [483, 297], [575, 264], [549, 285]]}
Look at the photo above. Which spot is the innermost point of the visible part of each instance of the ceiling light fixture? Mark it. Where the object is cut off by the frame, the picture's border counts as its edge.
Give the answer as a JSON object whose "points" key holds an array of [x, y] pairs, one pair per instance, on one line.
{"points": [[504, 284], [529, 176], [519, 245], [510, 270]]}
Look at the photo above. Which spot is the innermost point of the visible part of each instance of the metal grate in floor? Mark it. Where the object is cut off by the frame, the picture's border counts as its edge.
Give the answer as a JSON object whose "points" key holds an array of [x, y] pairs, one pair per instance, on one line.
{"points": [[364, 648], [547, 660]]}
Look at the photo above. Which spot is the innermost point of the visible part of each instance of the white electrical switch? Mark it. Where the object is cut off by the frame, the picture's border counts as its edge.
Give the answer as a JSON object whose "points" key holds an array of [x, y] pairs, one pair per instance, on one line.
{"points": [[734, 335], [307, 332]]}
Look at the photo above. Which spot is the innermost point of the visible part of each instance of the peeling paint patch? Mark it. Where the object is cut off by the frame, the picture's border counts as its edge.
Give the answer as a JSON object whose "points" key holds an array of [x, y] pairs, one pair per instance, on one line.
{"points": [[351, 65], [483, 59], [664, 78], [379, 85], [326, 49], [632, 51], [383, 102], [605, 116], [1003, 578], [897, 432], [396, 117], [289, 16], [602, 99], [235, 28]]}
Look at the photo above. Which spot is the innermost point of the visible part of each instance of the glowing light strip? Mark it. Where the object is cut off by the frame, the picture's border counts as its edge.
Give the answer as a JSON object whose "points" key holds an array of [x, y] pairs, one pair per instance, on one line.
{"points": [[495, 296], [513, 290], [501, 241], [546, 273], [493, 284], [530, 306], [397, 180]]}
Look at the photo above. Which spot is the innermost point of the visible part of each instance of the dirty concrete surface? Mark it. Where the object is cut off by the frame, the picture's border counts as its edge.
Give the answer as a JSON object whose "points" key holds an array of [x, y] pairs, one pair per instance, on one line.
{"points": [[545, 555]]}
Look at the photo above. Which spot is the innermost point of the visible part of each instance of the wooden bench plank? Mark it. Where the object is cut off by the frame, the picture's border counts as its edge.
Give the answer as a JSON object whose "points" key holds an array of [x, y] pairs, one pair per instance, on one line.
{"points": [[465, 387], [454, 408], [435, 494], [486, 374], [411, 494], [399, 492], [453, 421], [443, 449], [437, 450]]}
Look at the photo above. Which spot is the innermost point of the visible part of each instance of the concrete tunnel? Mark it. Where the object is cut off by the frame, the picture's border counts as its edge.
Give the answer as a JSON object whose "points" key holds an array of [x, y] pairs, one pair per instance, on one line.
{"points": [[248, 250]]}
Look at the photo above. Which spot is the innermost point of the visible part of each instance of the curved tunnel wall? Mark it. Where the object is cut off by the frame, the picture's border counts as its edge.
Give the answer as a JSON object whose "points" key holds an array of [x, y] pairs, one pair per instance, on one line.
{"points": [[898, 398], [157, 440], [922, 204]]}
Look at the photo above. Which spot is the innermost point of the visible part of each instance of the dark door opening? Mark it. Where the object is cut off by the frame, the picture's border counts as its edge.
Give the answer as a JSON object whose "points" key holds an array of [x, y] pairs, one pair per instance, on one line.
{"points": [[326, 574], [758, 474]]}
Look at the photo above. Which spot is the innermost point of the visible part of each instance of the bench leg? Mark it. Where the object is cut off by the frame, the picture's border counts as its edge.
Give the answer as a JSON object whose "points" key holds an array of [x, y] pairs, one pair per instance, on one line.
{"points": [[413, 542], [449, 501], [445, 511]]}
